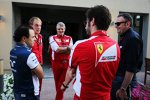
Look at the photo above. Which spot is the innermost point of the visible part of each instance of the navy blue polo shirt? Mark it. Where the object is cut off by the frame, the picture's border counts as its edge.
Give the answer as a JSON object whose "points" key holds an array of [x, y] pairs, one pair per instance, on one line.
{"points": [[131, 46], [22, 61]]}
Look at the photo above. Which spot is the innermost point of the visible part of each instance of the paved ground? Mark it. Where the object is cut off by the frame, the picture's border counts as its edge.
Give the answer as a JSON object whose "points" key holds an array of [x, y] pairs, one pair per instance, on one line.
{"points": [[48, 88]]}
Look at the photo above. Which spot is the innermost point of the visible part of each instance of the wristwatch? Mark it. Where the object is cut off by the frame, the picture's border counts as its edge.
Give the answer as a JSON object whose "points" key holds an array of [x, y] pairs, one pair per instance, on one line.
{"points": [[65, 86], [122, 88]]}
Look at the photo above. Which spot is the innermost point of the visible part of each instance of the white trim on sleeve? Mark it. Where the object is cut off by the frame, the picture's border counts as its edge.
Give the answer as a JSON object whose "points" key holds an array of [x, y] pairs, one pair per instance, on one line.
{"points": [[32, 61], [53, 44]]}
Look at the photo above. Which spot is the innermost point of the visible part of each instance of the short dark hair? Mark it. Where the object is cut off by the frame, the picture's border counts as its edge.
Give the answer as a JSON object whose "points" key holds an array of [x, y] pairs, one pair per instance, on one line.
{"points": [[127, 17], [101, 15], [20, 32]]}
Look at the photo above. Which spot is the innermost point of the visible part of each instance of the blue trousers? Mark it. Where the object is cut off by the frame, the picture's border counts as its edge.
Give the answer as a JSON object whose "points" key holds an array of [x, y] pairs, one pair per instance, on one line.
{"points": [[116, 84], [23, 96]]}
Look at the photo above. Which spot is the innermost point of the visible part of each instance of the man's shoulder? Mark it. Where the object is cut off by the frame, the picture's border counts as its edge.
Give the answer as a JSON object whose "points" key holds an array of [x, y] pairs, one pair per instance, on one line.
{"points": [[24, 51], [132, 33], [20, 52], [84, 43], [133, 36], [53, 36]]}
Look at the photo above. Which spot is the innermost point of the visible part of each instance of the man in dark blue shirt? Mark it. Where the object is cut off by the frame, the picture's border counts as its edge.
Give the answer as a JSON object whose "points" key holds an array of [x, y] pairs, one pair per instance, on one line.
{"points": [[131, 46], [25, 67]]}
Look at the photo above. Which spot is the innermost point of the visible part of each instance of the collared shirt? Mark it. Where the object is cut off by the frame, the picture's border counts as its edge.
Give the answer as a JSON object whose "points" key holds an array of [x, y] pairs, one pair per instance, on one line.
{"points": [[96, 60], [37, 48], [60, 41], [22, 61], [131, 46]]}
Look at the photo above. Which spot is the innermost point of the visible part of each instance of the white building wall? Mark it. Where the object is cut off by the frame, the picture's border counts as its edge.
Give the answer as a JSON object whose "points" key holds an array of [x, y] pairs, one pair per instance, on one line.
{"points": [[115, 6], [5, 31]]}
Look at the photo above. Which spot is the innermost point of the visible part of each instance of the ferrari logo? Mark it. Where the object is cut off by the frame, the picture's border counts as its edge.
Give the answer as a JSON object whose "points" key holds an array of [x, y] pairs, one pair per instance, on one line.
{"points": [[58, 40], [67, 40], [100, 48]]}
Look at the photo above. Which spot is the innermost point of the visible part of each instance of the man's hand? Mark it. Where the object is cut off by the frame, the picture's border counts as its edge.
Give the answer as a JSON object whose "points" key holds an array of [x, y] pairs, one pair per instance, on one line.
{"points": [[122, 94], [69, 76], [63, 87]]}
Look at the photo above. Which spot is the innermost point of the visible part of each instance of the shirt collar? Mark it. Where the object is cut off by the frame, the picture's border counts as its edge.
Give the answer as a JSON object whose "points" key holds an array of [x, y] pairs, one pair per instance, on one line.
{"points": [[22, 45], [122, 35], [99, 33], [60, 36]]}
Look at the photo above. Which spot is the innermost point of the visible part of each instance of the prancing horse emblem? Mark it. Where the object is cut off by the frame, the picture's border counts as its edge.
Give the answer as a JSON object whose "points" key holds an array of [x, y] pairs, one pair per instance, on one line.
{"points": [[100, 48]]}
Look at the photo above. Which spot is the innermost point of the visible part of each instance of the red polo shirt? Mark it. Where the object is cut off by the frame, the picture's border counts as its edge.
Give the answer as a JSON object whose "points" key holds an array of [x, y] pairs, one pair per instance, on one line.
{"points": [[96, 60], [37, 48], [57, 41]]}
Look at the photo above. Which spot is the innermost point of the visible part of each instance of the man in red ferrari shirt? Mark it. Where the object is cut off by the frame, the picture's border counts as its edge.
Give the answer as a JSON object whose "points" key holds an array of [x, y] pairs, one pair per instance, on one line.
{"points": [[94, 61], [37, 48], [60, 52]]}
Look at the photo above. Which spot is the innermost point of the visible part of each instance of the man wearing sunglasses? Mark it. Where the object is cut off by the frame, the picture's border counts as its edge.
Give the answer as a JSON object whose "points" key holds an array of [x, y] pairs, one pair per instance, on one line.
{"points": [[131, 46]]}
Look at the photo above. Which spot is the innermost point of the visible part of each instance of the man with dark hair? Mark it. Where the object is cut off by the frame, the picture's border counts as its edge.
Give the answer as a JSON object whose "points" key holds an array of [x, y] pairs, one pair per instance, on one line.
{"points": [[94, 60], [25, 66], [131, 46]]}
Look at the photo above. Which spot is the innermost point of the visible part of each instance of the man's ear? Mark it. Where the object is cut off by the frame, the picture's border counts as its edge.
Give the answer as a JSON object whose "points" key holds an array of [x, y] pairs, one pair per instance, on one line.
{"points": [[93, 21], [23, 39], [128, 23]]}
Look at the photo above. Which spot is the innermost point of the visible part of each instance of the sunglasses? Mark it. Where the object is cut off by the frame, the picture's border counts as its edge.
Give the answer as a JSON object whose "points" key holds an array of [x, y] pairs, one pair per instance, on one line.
{"points": [[60, 29], [119, 23]]}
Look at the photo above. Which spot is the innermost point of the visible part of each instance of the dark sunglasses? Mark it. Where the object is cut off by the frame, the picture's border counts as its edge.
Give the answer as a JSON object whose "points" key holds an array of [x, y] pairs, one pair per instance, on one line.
{"points": [[60, 29], [118, 23]]}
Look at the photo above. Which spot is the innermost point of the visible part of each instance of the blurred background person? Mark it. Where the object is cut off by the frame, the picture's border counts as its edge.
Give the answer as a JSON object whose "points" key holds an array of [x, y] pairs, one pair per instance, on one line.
{"points": [[36, 23], [60, 52]]}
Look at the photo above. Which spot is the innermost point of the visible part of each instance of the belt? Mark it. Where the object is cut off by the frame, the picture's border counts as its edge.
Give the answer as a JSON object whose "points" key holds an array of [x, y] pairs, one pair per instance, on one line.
{"points": [[62, 61], [25, 94]]}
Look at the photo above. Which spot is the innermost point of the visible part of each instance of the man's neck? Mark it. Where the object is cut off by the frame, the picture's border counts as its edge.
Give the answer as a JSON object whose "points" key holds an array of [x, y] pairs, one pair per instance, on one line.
{"points": [[36, 34], [60, 35], [93, 30], [22, 42]]}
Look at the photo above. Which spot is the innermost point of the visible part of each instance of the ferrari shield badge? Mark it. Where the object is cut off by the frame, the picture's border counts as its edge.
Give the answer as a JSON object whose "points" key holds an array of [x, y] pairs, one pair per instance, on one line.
{"points": [[100, 48]]}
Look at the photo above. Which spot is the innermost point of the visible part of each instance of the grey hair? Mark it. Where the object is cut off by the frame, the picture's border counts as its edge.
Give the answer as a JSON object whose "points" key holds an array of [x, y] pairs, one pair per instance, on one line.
{"points": [[60, 24]]}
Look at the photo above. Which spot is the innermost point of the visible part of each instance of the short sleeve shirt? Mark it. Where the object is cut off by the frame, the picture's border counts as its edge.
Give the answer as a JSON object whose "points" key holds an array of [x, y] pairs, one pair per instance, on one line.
{"points": [[22, 61], [96, 60]]}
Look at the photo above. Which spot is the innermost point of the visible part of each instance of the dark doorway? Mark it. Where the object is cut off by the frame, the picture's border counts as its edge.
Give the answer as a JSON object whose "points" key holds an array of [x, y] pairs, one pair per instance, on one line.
{"points": [[73, 17]]}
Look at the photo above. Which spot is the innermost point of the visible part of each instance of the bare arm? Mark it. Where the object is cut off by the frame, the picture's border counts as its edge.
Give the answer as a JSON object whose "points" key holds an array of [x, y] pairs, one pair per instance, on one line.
{"points": [[49, 47], [69, 76], [127, 79], [121, 93], [39, 71]]}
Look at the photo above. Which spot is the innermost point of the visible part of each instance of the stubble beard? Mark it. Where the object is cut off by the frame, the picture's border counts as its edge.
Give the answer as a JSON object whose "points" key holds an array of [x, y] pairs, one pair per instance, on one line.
{"points": [[88, 32]]}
